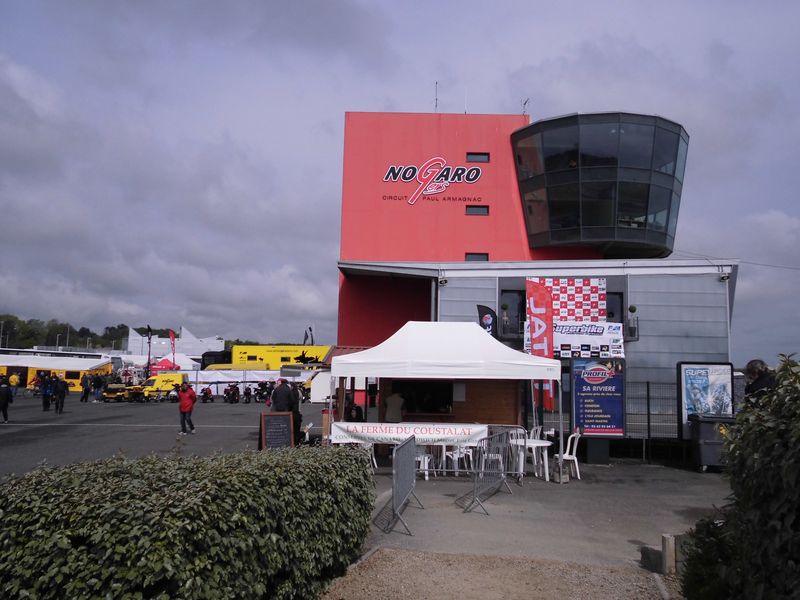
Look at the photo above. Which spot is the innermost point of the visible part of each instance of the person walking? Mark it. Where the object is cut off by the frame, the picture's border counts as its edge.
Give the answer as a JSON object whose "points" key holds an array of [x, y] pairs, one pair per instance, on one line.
{"points": [[97, 386], [13, 382], [186, 401], [86, 387], [297, 416], [5, 398], [46, 387], [60, 391]]}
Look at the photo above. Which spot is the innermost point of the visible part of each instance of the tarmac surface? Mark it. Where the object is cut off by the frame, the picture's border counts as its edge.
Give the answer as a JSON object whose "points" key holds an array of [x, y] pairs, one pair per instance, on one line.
{"points": [[604, 518]]}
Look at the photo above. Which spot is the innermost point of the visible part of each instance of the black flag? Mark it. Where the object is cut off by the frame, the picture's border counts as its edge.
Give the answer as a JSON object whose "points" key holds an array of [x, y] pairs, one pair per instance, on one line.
{"points": [[305, 337], [487, 319], [311, 333]]}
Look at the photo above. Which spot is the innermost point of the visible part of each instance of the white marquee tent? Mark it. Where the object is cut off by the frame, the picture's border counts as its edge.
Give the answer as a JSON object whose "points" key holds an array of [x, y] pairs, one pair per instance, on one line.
{"points": [[448, 350], [444, 350]]}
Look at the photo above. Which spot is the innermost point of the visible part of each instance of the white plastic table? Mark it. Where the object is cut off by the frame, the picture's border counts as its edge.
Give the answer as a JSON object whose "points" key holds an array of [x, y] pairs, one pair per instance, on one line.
{"points": [[538, 446]]}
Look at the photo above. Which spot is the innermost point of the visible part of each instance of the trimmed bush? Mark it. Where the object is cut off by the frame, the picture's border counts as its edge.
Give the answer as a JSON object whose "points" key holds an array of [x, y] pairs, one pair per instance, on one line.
{"points": [[757, 543], [272, 524]]}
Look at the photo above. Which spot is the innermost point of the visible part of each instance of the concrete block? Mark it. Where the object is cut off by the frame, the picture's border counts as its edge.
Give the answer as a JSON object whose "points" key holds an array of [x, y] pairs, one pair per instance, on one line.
{"points": [[668, 554]]}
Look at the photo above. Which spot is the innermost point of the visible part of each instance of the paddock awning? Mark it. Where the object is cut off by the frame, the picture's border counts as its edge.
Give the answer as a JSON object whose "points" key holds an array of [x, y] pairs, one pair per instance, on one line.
{"points": [[444, 350]]}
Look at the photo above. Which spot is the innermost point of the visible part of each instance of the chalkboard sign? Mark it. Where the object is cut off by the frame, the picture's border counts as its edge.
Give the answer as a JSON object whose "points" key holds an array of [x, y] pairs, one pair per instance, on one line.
{"points": [[276, 430]]}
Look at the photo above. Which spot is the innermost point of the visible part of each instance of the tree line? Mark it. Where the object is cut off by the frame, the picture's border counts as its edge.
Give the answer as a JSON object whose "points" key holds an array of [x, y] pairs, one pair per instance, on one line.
{"points": [[20, 333]]}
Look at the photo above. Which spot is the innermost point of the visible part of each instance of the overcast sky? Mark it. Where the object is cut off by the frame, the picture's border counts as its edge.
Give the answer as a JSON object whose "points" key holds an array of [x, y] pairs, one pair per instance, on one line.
{"points": [[179, 163]]}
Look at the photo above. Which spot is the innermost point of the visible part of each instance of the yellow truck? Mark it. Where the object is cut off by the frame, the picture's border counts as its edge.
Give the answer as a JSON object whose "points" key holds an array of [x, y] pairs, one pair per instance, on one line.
{"points": [[156, 388]]}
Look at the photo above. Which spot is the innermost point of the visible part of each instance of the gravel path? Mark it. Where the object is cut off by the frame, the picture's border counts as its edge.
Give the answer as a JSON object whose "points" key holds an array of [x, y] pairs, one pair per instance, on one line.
{"points": [[393, 574]]}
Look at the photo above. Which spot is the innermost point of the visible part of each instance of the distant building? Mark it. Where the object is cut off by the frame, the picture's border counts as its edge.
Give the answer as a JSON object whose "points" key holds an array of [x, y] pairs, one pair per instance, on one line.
{"points": [[185, 343]]}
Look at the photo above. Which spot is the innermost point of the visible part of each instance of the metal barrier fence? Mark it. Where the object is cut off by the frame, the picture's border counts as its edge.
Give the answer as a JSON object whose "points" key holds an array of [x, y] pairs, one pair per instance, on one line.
{"points": [[493, 458], [404, 477], [651, 411]]}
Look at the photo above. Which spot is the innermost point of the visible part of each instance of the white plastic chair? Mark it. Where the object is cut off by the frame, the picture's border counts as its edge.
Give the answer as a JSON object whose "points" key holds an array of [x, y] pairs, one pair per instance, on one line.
{"points": [[457, 455], [570, 453], [371, 448], [424, 460], [534, 434]]}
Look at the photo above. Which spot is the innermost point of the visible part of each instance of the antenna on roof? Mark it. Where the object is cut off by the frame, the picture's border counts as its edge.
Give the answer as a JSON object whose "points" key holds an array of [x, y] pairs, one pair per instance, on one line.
{"points": [[525, 106], [435, 96], [465, 100]]}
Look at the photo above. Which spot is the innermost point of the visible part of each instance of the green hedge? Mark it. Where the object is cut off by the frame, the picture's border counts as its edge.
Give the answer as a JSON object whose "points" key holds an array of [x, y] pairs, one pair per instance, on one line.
{"points": [[274, 524], [753, 549]]}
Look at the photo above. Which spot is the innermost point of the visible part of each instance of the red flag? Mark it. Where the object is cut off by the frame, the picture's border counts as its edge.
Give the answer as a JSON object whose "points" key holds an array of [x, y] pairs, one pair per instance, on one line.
{"points": [[172, 341], [540, 318]]}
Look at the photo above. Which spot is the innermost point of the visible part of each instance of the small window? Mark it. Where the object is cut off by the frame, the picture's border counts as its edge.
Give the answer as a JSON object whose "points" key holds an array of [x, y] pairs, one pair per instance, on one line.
{"points": [[286, 359], [481, 211], [72, 375], [476, 257], [252, 357], [478, 157]]}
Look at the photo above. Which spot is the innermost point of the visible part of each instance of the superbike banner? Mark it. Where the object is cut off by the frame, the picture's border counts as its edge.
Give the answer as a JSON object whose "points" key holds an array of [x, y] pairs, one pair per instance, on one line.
{"points": [[598, 396], [574, 339]]}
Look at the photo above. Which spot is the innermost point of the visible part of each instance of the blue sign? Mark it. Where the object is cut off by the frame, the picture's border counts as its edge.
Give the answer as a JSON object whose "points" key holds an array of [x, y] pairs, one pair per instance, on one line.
{"points": [[598, 395]]}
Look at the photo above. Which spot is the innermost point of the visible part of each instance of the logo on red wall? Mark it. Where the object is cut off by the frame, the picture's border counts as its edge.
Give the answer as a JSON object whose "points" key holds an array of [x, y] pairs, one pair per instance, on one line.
{"points": [[433, 177]]}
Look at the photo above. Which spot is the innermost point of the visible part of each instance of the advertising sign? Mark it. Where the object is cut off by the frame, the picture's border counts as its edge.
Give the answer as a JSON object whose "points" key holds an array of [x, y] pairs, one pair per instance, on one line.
{"points": [[598, 396], [576, 339], [538, 337], [451, 434], [704, 389]]}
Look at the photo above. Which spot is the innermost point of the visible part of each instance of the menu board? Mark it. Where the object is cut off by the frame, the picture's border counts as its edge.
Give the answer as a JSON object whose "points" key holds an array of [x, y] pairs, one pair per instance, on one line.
{"points": [[598, 396], [276, 430]]}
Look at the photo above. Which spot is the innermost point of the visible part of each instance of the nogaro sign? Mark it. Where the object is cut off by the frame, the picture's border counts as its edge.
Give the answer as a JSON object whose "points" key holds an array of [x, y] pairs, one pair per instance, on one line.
{"points": [[433, 177]]}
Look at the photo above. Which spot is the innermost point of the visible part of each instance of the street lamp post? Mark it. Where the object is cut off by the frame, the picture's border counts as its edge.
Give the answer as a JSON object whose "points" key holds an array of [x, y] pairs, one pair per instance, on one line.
{"points": [[58, 337]]}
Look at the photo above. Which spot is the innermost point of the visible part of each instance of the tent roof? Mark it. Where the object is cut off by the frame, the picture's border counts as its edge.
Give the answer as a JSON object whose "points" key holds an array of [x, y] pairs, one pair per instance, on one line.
{"points": [[444, 350], [66, 363]]}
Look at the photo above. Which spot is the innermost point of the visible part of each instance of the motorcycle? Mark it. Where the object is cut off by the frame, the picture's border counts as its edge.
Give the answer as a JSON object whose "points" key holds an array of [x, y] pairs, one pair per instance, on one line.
{"points": [[231, 395], [206, 395], [248, 394]]}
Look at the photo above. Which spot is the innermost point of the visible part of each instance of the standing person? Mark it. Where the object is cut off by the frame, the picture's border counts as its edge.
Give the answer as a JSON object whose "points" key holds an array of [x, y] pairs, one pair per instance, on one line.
{"points": [[760, 379], [281, 397], [46, 387], [13, 382], [395, 405], [86, 387], [297, 416], [97, 386], [60, 391], [355, 414], [186, 400], [5, 398]]}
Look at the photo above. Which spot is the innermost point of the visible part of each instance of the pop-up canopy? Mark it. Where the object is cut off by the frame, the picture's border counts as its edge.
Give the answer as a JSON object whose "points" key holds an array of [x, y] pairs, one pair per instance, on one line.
{"points": [[444, 350]]}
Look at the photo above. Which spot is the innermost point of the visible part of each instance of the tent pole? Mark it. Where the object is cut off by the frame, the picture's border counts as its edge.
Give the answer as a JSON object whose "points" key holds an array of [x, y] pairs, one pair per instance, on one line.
{"points": [[557, 389]]}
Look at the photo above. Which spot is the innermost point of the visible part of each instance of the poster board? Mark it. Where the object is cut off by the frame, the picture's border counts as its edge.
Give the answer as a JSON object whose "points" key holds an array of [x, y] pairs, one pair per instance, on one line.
{"points": [[598, 396], [703, 389], [276, 430]]}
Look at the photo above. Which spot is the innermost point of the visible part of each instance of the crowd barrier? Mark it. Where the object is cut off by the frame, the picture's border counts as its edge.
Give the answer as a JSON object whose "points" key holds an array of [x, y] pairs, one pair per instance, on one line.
{"points": [[494, 459], [404, 477]]}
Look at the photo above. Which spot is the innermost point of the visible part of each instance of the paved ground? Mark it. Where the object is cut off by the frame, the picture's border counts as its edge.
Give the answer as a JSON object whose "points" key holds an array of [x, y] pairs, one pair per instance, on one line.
{"points": [[90, 431], [602, 519]]}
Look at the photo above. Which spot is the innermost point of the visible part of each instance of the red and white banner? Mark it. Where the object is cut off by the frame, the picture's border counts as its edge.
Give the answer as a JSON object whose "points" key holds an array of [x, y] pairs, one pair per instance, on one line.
{"points": [[451, 434], [172, 341], [538, 339]]}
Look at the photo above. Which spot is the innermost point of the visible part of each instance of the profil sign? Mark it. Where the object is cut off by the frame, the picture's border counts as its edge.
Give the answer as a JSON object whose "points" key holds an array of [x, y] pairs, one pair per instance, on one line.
{"points": [[433, 177]]}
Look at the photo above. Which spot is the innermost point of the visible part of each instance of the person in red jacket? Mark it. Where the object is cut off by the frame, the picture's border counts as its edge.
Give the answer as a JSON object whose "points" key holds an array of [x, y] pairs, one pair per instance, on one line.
{"points": [[186, 400]]}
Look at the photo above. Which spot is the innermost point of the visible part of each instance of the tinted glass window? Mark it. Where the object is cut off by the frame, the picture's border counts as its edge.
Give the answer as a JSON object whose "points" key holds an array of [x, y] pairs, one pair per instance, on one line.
{"points": [[536, 211], [599, 145], [632, 205], [560, 148], [675, 205], [658, 208], [681, 166], [597, 208], [478, 157], [563, 206], [529, 156], [636, 145], [665, 152], [477, 210], [476, 256]]}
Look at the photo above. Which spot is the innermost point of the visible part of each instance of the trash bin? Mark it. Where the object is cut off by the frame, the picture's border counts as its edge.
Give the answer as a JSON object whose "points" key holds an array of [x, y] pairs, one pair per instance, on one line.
{"points": [[707, 438]]}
